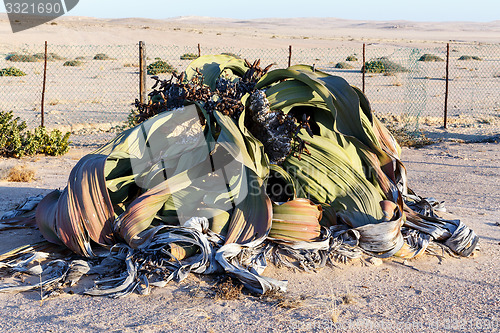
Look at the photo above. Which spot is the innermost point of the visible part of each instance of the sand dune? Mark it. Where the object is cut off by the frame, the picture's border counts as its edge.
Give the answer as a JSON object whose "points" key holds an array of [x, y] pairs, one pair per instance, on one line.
{"points": [[272, 32]]}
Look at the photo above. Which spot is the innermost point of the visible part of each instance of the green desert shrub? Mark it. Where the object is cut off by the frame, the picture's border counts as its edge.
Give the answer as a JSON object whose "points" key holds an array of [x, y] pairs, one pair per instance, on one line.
{"points": [[374, 66], [40, 56], [189, 56], [16, 141], [430, 57], [160, 66], [343, 65], [383, 65], [351, 58], [468, 57], [16, 57], [12, 71], [73, 63], [102, 56]]}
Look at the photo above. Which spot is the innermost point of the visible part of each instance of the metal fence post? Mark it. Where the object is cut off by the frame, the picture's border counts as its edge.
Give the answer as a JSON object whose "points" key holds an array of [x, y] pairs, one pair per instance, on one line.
{"points": [[42, 123], [142, 72], [446, 89], [363, 68], [289, 55], [199, 50]]}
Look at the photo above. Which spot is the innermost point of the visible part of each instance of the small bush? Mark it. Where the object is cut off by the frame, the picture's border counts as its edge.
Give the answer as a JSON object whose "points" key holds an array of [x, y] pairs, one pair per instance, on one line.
{"points": [[430, 57], [15, 57], [189, 56], [73, 63], [382, 65], [12, 71], [160, 66], [55, 56], [351, 58], [16, 141], [80, 58], [40, 56], [50, 56], [343, 65], [102, 56], [468, 57]]}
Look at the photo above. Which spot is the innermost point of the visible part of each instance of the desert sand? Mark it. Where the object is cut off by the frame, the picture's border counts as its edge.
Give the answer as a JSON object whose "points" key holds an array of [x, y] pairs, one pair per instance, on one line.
{"points": [[313, 32], [428, 294]]}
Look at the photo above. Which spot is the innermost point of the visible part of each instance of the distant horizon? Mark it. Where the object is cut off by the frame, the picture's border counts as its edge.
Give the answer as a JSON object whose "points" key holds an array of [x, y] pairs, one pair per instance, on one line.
{"points": [[271, 17], [482, 11]]}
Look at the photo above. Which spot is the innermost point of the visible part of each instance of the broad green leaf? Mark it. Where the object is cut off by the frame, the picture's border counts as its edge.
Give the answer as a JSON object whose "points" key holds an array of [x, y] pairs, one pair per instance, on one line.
{"points": [[213, 66], [330, 175], [238, 144], [83, 211], [251, 217]]}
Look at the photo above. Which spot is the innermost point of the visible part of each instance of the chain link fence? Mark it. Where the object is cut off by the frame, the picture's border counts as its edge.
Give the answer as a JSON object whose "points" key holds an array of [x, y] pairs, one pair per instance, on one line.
{"points": [[415, 88], [85, 85], [95, 86]]}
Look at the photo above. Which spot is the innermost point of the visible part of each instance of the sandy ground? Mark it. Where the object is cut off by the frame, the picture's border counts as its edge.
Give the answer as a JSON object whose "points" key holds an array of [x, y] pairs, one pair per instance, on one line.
{"points": [[426, 294], [269, 32]]}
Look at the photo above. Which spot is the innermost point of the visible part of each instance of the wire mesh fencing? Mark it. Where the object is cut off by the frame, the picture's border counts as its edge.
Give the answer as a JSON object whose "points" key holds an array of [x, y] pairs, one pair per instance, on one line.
{"points": [[475, 80], [413, 85], [96, 85], [85, 85]]}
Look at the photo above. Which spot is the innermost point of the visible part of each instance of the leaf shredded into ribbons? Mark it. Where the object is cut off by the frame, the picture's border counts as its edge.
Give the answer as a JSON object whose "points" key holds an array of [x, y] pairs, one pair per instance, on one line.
{"points": [[232, 166]]}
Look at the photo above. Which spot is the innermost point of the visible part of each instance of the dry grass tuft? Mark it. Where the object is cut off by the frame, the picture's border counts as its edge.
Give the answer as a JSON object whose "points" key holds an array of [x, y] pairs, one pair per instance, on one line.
{"points": [[21, 174], [227, 290], [335, 313], [282, 300], [290, 303], [407, 138]]}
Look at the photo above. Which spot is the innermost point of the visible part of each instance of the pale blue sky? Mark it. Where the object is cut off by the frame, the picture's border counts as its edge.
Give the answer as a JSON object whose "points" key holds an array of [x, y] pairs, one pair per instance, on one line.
{"points": [[415, 10]]}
